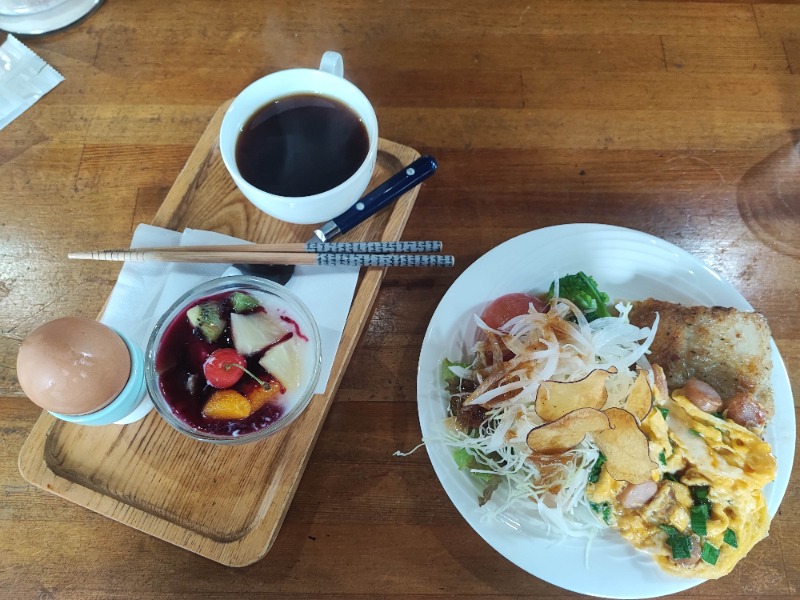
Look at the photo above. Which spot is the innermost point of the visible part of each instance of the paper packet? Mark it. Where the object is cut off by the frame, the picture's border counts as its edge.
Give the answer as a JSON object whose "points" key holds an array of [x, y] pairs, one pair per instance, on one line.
{"points": [[24, 78]]}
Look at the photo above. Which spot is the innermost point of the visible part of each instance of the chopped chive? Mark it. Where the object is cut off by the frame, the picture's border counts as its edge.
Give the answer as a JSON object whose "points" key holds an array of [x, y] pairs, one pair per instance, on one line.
{"points": [[668, 529], [701, 511], [664, 412], [662, 458], [699, 517], [710, 554], [718, 414], [695, 432], [594, 474], [603, 508], [730, 538], [670, 477], [681, 546]]}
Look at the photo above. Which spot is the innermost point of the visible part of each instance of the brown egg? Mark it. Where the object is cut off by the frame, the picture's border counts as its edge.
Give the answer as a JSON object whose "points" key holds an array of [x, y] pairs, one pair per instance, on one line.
{"points": [[73, 366]]}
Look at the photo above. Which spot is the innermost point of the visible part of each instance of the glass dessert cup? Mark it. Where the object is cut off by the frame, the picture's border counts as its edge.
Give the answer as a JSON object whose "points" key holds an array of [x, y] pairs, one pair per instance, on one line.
{"points": [[185, 392]]}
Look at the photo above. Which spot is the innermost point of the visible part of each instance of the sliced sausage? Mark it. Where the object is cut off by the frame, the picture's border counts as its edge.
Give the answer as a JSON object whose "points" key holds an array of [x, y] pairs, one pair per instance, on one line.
{"points": [[636, 495], [702, 395], [660, 380], [744, 409]]}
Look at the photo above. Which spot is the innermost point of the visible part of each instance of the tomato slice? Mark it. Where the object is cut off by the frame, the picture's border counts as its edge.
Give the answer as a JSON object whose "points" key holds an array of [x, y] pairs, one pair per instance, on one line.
{"points": [[505, 308], [220, 368]]}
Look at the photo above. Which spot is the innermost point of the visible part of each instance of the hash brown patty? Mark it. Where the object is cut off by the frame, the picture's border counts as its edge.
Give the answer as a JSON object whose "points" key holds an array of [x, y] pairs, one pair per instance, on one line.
{"points": [[727, 348]]}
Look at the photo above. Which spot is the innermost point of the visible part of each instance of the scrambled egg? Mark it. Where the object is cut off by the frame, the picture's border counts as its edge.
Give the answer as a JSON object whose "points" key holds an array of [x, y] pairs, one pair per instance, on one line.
{"points": [[703, 460]]}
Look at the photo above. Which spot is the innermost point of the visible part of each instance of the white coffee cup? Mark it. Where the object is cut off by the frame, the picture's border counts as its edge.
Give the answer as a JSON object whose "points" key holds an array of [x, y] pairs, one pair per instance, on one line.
{"points": [[327, 81]]}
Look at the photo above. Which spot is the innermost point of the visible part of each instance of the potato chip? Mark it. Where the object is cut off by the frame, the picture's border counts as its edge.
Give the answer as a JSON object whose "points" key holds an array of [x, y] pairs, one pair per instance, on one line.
{"points": [[554, 399], [625, 448], [640, 397], [567, 432]]}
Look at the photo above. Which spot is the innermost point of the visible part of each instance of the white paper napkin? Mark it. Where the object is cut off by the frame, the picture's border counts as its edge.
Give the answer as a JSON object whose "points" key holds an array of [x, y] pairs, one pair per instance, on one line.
{"points": [[144, 291], [24, 78]]}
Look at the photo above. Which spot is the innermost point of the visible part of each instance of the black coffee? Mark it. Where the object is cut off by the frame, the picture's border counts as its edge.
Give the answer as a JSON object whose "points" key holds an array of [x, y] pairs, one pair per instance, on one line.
{"points": [[301, 145]]}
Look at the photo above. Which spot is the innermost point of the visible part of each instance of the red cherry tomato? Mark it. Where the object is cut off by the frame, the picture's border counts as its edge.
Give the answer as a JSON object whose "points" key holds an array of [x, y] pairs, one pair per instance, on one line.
{"points": [[220, 368], [505, 308]]}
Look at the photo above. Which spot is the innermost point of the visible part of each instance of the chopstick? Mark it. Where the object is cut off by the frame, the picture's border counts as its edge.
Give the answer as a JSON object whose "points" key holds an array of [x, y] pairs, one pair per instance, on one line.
{"points": [[318, 247], [367, 254]]}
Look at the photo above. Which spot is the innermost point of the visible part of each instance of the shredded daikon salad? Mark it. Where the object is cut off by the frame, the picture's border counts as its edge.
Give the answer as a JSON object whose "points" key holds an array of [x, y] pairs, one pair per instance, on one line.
{"points": [[492, 407]]}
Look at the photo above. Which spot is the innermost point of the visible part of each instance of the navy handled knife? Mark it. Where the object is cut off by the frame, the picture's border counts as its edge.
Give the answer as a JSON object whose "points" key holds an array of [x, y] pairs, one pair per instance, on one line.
{"points": [[383, 195]]}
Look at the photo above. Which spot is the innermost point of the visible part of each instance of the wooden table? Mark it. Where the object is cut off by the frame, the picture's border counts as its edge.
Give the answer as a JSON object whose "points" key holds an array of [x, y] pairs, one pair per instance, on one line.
{"points": [[679, 119]]}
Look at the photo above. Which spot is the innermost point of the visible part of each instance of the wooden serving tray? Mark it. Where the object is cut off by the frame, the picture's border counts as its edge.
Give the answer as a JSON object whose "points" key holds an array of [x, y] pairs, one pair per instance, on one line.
{"points": [[226, 503]]}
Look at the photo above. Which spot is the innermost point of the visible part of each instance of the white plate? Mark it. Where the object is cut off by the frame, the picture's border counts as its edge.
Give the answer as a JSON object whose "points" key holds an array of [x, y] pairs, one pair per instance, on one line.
{"points": [[50, 20], [627, 264]]}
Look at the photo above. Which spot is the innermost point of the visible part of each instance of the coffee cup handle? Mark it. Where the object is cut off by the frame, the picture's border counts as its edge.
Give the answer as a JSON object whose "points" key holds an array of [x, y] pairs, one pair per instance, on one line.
{"points": [[332, 63]]}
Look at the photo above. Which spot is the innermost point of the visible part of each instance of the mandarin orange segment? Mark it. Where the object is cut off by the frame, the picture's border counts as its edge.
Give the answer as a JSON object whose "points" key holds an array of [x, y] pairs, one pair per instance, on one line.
{"points": [[259, 395], [226, 405]]}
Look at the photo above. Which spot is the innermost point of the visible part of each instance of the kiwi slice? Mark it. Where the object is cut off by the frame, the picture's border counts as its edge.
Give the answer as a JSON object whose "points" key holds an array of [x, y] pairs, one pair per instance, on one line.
{"points": [[243, 303], [207, 318]]}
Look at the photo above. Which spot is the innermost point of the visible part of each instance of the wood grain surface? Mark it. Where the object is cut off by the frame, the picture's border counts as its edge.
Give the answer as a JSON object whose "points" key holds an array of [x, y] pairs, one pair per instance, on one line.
{"points": [[680, 119]]}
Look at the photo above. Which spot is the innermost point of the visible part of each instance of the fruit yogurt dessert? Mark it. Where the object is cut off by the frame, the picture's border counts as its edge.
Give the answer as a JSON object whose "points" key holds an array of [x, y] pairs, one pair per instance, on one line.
{"points": [[233, 362]]}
